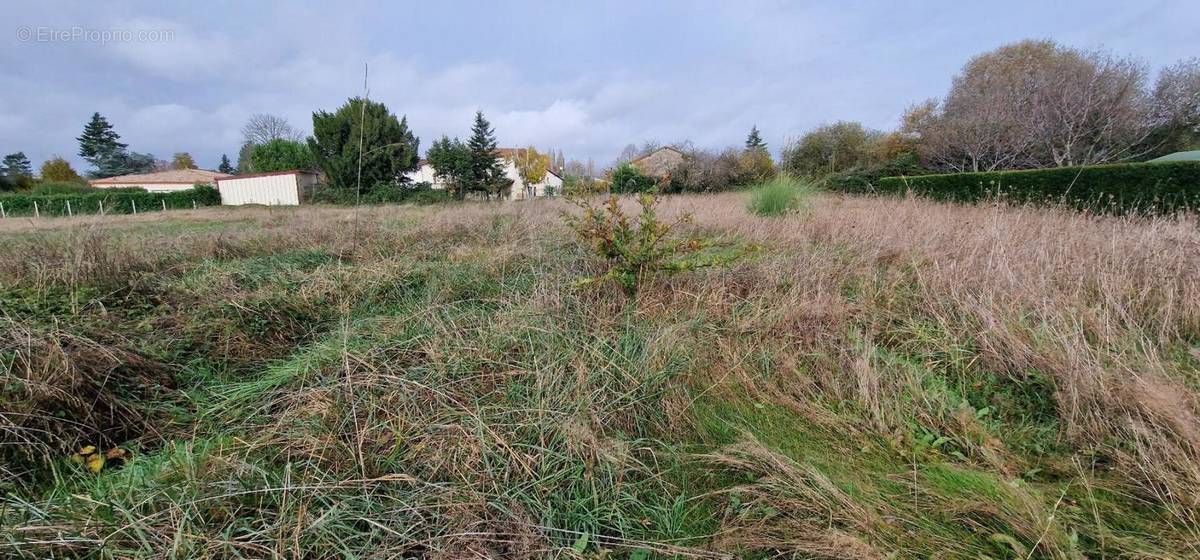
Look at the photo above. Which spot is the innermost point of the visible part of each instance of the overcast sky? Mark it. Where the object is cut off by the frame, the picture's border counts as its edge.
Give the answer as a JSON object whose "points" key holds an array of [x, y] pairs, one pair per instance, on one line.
{"points": [[584, 77]]}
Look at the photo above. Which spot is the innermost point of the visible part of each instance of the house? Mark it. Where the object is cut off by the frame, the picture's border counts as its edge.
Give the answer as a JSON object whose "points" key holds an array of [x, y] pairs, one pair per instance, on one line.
{"points": [[551, 185], [277, 188], [660, 162], [161, 181]]}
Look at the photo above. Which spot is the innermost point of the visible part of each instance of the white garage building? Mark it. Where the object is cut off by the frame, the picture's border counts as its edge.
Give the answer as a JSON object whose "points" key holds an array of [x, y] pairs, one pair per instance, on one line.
{"points": [[279, 188]]}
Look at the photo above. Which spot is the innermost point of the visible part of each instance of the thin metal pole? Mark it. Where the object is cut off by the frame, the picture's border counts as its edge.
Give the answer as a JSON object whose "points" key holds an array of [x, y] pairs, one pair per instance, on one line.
{"points": [[101, 207], [164, 201], [134, 203], [69, 212], [36, 213]]}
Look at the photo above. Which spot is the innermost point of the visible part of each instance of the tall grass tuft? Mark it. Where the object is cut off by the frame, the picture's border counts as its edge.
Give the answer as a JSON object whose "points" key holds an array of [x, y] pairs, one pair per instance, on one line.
{"points": [[781, 195]]}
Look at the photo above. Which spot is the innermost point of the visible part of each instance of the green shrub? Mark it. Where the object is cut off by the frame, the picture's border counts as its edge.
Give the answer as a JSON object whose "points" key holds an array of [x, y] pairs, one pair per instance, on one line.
{"points": [[780, 195], [383, 193], [630, 248], [282, 155], [629, 179], [61, 187], [1138, 188], [863, 179], [114, 201]]}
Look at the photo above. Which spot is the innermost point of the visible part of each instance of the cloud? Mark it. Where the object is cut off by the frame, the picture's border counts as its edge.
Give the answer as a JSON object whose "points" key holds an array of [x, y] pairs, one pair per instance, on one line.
{"points": [[173, 50], [586, 78]]}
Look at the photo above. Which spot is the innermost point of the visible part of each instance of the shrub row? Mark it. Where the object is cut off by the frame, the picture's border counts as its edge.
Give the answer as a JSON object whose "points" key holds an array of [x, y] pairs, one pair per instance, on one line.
{"points": [[113, 201], [419, 193], [1137, 188]]}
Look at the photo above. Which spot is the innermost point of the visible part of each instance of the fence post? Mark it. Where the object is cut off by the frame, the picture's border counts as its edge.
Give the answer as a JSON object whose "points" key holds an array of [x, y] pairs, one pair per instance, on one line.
{"points": [[164, 201], [134, 203], [70, 214], [102, 207], [36, 213], [3, 214], [193, 204]]}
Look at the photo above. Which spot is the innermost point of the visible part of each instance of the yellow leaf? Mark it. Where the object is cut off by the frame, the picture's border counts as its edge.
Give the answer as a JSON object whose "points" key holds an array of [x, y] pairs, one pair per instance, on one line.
{"points": [[95, 462], [87, 450]]}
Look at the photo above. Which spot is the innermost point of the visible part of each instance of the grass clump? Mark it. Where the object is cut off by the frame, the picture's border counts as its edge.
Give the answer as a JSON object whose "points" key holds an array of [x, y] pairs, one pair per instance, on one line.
{"points": [[781, 195]]}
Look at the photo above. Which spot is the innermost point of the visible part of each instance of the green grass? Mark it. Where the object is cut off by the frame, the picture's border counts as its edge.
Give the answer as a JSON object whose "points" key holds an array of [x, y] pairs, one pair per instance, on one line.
{"points": [[437, 394], [781, 195]]}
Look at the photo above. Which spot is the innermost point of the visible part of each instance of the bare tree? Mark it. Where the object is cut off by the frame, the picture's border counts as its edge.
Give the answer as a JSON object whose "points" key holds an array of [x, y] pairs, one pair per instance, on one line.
{"points": [[1036, 104], [261, 128], [1176, 106]]}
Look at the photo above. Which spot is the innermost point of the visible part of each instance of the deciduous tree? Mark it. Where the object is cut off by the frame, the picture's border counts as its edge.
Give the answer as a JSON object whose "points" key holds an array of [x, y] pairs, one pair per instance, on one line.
{"points": [[59, 170], [1176, 107], [183, 160], [532, 166], [261, 128], [1037, 104], [451, 162], [830, 149]]}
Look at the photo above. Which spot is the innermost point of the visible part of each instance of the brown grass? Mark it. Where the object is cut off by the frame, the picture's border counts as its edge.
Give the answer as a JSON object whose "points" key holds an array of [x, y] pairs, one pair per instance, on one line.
{"points": [[1107, 309]]}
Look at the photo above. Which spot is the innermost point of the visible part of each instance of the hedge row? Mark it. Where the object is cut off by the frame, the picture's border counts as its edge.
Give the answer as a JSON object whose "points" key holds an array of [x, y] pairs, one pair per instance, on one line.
{"points": [[122, 202], [1128, 188], [419, 193]]}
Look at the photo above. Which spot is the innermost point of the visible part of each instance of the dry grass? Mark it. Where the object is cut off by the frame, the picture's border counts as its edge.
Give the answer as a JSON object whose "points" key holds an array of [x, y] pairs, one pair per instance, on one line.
{"points": [[497, 409]]}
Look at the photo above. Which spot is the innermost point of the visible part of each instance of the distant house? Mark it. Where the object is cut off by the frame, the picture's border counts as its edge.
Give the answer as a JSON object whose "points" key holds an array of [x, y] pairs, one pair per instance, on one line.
{"points": [[660, 162], [552, 184], [162, 181]]}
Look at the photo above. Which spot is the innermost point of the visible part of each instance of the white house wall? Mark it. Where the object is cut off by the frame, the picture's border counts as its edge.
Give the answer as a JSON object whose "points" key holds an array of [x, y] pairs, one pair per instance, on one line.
{"points": [[271, 190], [426, 174], [150, 187]]}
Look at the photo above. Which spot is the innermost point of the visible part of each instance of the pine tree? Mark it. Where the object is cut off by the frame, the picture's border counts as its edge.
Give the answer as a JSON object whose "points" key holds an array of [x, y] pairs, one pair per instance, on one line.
{"points": [[99, 141], [487, 172], [225, 166], [17, 165], [754, 141]]}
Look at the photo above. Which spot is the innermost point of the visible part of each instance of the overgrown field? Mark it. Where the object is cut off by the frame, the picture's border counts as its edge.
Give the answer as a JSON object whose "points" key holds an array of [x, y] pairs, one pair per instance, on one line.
{"points": [[869, 378]]}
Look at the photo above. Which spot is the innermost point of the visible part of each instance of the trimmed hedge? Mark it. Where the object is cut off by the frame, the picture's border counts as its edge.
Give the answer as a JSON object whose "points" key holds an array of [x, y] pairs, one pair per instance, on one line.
{"points": [[1126, 188], [115, 202], [419, 194]]}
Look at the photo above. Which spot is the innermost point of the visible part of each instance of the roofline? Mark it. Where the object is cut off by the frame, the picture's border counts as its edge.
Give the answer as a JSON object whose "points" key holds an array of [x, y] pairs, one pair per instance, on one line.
{"points": [[266, 174], [658, 149], [95, 182]]}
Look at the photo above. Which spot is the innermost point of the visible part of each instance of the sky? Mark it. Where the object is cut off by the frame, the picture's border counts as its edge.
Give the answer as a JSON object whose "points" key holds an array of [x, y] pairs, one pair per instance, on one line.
{"points": [[587, 78]]}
